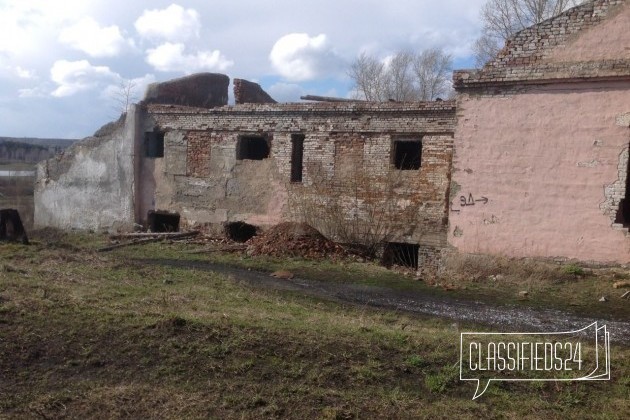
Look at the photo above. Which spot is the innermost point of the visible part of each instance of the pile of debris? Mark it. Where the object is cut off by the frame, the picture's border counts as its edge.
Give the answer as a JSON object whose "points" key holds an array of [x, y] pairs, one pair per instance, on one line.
{"points": [[291, 239]]}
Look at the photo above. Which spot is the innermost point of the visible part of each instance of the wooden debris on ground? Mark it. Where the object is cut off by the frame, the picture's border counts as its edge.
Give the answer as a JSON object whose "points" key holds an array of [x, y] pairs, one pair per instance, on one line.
{"points": [[215, 248], [145, 238]]}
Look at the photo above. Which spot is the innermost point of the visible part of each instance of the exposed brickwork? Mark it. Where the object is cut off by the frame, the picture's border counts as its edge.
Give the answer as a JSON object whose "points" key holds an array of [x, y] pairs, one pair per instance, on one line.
{"points": [[246, 92], [429, 260], [349, 150], [616, 192], [347, 162], [525, 56], [542, 73], [198, 153], [425, 117]]}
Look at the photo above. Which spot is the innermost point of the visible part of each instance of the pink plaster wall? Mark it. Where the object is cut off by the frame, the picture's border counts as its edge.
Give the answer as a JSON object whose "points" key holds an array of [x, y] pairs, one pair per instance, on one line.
{"points": [[543, 159], [610, 40]]}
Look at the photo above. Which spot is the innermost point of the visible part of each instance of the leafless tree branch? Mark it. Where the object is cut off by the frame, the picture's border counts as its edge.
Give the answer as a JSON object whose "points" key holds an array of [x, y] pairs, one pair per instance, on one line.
{"points": [[406, 76]]}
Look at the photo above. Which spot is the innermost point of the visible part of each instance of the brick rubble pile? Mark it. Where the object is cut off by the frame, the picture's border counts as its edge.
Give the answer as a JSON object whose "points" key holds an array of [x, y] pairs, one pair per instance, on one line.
{"points": [[294, 240]]}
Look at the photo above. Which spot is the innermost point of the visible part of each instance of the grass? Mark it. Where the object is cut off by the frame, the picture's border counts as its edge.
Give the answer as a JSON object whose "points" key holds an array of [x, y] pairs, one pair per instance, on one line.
{"points": [[86, 334], [496, 280]]}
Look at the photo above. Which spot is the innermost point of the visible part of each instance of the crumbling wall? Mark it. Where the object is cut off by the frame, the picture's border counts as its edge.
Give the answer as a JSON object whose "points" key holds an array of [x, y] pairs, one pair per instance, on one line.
{"points": [[209, 185], [246, 92], [90, 185], [205, 90], [541, 156], [588, 41]]}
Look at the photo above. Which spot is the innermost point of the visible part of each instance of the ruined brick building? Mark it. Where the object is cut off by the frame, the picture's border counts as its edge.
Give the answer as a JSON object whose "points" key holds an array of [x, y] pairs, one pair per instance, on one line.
{"points": [[530, 160]]}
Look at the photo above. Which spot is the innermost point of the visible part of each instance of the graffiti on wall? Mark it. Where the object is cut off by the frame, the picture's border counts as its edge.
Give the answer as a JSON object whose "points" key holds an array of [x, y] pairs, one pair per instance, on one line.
{"points": [[470, 200]]}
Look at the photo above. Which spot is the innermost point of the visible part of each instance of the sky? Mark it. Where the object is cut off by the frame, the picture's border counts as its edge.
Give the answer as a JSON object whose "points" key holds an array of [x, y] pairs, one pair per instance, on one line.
{"points": [[63, 62]]}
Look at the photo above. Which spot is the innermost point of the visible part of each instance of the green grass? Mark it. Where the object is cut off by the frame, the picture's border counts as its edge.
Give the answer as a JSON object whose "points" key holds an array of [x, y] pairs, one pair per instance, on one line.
{"points": [[86, 334], [566, 287]]}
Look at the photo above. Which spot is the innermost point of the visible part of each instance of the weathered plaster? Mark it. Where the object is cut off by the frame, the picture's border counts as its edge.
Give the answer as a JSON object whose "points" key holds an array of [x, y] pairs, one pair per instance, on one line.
{"points": [[525, 153], [91, 185]]}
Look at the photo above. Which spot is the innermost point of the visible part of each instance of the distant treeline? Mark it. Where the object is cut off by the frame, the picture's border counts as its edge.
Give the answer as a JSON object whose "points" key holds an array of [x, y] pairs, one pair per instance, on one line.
{"points": [[30, 150]]}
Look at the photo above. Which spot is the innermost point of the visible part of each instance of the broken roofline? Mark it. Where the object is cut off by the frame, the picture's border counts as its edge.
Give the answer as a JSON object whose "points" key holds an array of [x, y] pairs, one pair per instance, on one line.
{"points": [[210, 91], [427, 118], [337, 108], [524, 60]]}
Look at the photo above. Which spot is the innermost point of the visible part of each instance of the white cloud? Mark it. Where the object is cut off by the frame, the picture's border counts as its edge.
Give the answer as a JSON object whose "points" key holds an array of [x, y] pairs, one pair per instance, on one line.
{"points": [[25, 73], [171, 57], [18, 72], [88, 36], [30, 27], [298, 56], [31, 30], [172, 24], [75, 76]]}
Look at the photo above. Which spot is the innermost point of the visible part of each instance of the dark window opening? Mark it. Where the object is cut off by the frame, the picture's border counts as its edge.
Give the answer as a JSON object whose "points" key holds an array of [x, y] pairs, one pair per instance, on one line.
{"points": [[252, 148], [154, 144], [240, 231], [163, 221], [401, 254], [297, 157], [407, 154], [623, 213]]}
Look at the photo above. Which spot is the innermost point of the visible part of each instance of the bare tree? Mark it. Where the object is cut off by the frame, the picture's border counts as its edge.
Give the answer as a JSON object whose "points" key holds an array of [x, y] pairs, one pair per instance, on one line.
{"points": [[125, 94], [400, 79], [502, 18], [405, 76], [432, 69], [368, 75]]}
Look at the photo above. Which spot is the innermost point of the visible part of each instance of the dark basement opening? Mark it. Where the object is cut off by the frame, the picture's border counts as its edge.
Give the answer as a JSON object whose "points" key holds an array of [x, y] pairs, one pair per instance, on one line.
{"points": [[407, 154], [401, 254], [240, 231], [252, 148], [163, 221]]}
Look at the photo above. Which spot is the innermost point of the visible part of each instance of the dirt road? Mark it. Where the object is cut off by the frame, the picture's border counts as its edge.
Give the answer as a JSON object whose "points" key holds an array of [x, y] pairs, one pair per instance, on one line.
{"points": [[499, 317]]}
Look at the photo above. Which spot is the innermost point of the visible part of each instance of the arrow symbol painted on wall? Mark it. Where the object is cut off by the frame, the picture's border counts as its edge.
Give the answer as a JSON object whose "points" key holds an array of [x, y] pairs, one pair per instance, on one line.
{"points": [[484, 200]]}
